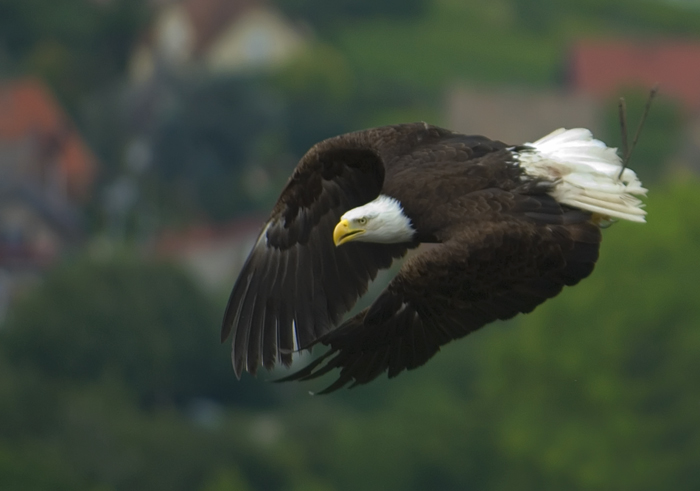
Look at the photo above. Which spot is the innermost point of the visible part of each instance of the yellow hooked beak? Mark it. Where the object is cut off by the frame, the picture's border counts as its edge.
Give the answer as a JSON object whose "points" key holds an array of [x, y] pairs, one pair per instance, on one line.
{"points": [[345, 233]]}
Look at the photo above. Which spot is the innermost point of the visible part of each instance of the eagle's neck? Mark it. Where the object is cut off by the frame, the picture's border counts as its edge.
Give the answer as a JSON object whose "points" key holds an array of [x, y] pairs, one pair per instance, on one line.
{"points": [[386, 221]]}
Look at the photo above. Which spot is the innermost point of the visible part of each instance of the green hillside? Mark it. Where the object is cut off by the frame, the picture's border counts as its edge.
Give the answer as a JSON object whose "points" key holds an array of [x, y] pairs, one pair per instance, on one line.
{"points": [[503, 42]]}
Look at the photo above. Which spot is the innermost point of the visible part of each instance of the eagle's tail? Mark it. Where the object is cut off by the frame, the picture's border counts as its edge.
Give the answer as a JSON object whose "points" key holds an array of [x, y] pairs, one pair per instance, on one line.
{"points": [[586, 174]]}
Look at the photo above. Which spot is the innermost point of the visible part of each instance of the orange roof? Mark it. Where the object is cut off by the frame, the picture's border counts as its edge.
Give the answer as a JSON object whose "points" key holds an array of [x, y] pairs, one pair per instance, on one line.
{"points": [[211, 17], [601, 68], [27, 109]]}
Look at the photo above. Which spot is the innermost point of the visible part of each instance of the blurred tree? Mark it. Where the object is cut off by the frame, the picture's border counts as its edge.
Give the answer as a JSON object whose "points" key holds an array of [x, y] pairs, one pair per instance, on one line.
{"points": [[325, 96], [548, 16], [225, 145], [207, 141], [27, 408], [76, 45], [660, 138], [540, 15], [143, 324], [226, 480], [326, 14], [97, 438], [19, 471], [320, 94], [595, 390]]}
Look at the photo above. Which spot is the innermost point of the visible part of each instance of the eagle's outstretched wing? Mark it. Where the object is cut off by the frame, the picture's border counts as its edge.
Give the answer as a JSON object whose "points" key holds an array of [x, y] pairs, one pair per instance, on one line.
{"points": [[296, 284]]}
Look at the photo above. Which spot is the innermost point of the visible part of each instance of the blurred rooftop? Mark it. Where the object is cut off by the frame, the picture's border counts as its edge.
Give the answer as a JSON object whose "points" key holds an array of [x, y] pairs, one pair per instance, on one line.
{"points": [[602, 67], [28, 111], [217, 35]]}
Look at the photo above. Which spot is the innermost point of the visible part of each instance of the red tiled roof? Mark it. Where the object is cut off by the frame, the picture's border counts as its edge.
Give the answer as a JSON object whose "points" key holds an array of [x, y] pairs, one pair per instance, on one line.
{"points": [[211, 17], [27, 108], [601, 68]]}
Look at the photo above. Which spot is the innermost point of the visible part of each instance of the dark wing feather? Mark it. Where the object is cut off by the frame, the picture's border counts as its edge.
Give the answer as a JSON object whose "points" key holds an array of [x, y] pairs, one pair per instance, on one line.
{"points": [[484, 272], [296, 284]]}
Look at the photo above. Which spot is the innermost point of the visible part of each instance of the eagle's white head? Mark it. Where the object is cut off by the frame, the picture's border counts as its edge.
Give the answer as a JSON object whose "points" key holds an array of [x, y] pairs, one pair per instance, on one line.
{"points": [[381, 221]]}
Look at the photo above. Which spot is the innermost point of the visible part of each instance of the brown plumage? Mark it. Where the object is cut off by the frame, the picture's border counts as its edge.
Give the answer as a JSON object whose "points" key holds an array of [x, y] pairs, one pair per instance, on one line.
{"points": [[503, 245]]}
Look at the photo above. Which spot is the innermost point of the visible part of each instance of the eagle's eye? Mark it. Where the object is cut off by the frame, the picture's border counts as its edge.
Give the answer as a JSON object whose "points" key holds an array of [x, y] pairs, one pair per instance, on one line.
{"points": [[362, 221]]}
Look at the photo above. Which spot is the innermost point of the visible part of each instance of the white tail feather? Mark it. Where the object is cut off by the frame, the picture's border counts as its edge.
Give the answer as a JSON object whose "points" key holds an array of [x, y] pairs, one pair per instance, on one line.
{"points": [[585, 172]]}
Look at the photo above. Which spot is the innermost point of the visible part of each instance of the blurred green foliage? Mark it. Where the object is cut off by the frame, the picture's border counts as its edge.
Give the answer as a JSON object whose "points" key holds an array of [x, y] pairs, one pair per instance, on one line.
{"points": [[144, 324], [597, 389], [604, 384], [211, 135], [207, 140], [78, 46], [660, 137], [111, 376], [326, 15], [509, 42]]}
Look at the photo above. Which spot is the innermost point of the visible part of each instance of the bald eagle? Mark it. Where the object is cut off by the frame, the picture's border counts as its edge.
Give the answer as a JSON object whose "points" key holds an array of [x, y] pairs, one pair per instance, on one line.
{"points": [[511, 225]]}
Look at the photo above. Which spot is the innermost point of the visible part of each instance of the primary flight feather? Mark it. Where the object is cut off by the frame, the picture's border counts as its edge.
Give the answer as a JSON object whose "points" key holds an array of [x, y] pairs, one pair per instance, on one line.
{"points": [[512, 225]]}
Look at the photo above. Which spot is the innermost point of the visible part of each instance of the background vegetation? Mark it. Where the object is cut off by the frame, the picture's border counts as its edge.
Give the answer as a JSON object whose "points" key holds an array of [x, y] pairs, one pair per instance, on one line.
{"points": [[111, 375], [111, 379]]}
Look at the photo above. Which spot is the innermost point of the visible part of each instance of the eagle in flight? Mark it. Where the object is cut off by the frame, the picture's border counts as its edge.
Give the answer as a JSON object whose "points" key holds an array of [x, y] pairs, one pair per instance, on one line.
{"points": [[510, 227]]}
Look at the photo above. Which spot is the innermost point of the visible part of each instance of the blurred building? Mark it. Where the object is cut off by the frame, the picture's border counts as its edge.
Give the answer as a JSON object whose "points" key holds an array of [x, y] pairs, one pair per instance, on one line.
{"points": [[221, 36], [598, 71], [518, 115], [213, 254], [46, 172], [602, 68]]}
